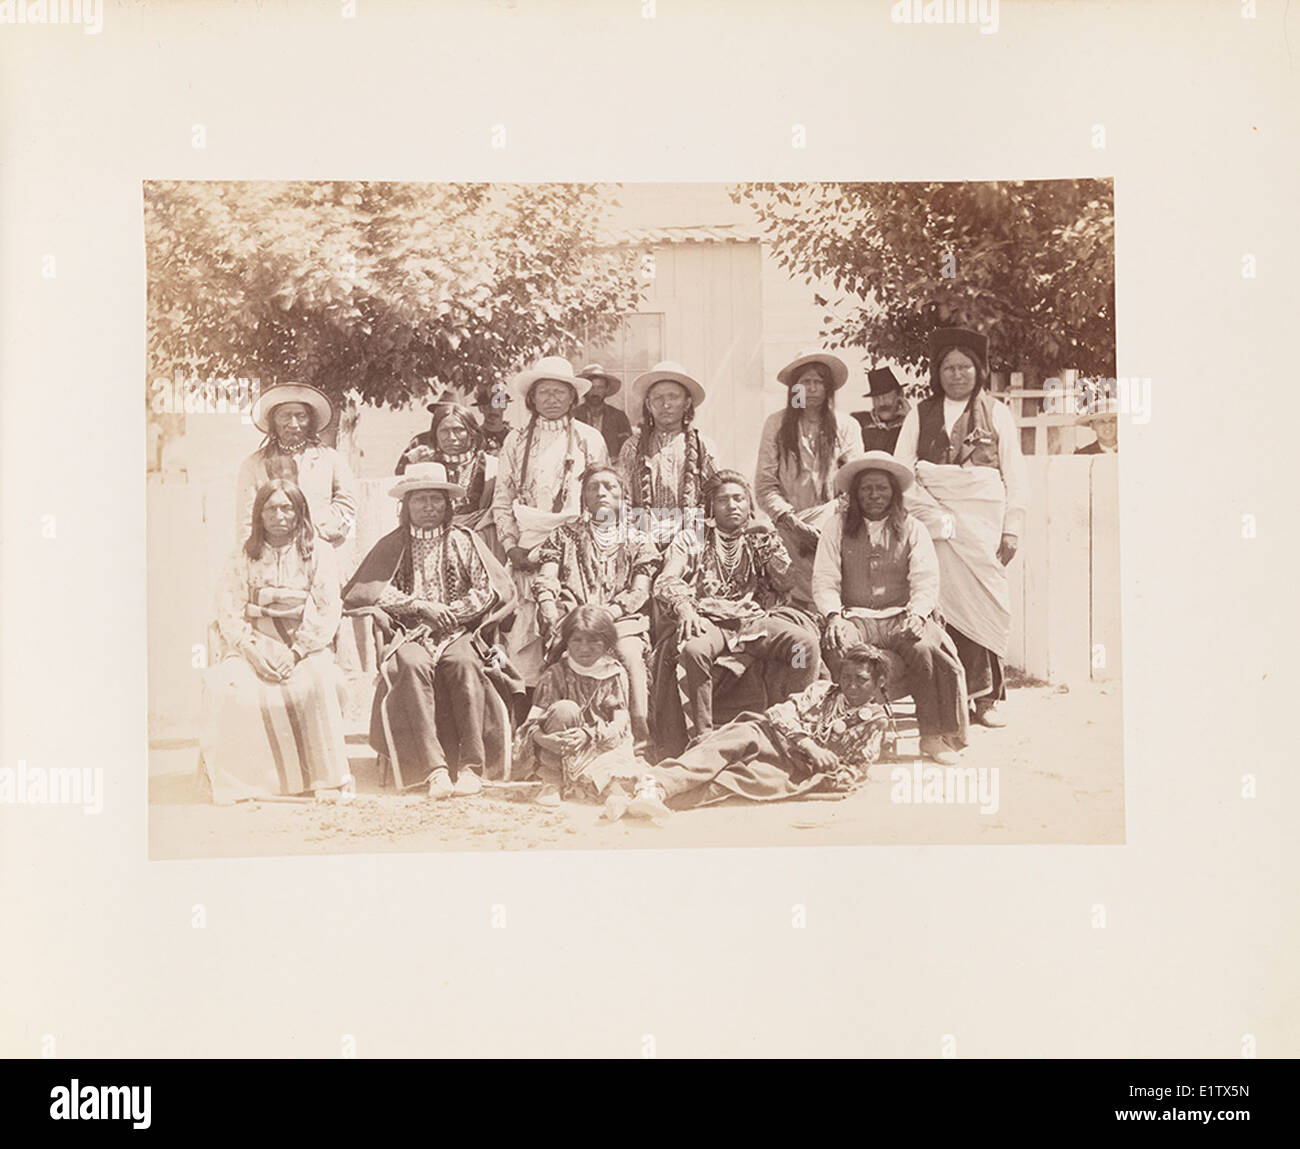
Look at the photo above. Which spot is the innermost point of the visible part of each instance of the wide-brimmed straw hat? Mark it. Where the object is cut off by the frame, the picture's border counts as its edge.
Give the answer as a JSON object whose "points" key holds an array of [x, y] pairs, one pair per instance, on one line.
{"points": [[873, 461], [596, 371], [1091, 417], [833, 363], [554, 367], [669, 371], [425, 477], [304, 393]]}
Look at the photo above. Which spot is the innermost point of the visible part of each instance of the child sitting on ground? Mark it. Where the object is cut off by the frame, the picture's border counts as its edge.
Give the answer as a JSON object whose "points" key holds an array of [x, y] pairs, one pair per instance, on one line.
{"points": [[578, 735]]}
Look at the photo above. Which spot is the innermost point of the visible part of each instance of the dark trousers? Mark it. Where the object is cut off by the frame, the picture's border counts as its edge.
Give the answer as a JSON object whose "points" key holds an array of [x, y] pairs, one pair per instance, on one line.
{"points": [[789, 651], [434, 710], [984, 680], [932, 677]]}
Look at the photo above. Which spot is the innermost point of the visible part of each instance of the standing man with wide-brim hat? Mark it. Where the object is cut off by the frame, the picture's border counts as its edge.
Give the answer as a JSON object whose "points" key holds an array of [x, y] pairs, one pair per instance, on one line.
{"points": [[889, 407], [876, 581], [539, 486], [667, 462], [596, 412], [799, 450], [438, 594], [292, 416], [971, 493]]}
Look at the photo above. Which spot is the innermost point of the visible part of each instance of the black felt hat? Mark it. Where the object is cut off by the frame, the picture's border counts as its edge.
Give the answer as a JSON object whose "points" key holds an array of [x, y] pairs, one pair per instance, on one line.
{"points": [[946, 338], [882, 381]]}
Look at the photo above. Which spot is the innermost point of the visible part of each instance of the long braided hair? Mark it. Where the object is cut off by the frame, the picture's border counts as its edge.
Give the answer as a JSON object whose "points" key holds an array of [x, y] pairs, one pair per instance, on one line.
{"points": [[692, 492], [557, 503]]}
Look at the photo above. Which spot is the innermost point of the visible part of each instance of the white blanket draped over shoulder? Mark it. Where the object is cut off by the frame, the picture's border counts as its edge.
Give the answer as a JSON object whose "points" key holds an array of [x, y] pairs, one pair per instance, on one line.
{"points": [[962, 508]]}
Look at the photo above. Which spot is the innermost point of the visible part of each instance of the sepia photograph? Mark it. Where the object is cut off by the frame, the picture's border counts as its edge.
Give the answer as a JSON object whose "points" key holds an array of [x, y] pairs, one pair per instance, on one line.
{"points": [[493, 516], [633, 529]]}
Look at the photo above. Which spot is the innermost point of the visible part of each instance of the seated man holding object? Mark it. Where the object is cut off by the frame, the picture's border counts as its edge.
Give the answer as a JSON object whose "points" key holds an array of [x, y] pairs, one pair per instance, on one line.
{"points": [[722, 597], [436, 592]]}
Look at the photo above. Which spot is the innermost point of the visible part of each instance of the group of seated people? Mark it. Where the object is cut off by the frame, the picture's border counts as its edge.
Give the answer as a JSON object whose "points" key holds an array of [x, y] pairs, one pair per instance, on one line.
{"points": [[609, 612]]}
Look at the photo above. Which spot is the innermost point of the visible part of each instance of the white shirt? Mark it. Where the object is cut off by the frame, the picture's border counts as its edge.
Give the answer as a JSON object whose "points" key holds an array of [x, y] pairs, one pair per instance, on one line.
{"points": [[549, 466], [828, 571], [952, 409]]}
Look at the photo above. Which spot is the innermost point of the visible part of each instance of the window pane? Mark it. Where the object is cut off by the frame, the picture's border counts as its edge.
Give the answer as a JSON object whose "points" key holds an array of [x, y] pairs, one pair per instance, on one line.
{"points": [[607, 351], [645, 341]]}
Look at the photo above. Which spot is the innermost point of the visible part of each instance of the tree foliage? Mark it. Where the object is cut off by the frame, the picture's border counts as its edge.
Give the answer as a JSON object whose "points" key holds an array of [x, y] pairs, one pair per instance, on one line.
{"points": [[387, 289], [1029, 263]]}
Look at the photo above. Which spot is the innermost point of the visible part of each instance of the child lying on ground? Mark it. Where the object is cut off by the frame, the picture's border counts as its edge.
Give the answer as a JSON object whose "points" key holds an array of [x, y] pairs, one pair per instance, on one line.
{"points": [[578, 735]]}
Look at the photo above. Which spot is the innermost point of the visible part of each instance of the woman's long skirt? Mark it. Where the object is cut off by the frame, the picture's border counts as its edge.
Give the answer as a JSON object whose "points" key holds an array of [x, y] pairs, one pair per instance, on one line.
{"points": [[261, 739]]}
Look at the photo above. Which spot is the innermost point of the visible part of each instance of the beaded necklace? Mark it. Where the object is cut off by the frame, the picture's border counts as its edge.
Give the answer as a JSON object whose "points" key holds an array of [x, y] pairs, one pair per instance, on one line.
{"points": [[464, 469], [836, 719], [602, 561], [455, 462], [297, 449], [281, 462], [729, 554], [448, 566], [570, 457]]}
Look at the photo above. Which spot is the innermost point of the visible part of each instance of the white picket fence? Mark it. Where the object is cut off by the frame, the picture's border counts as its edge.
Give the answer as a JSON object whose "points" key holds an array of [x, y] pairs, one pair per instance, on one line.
{"points": [[1065, 580]]}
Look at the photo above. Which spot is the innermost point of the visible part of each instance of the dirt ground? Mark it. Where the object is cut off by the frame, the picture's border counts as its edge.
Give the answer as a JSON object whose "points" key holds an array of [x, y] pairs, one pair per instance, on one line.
{"points": [[1060, 780]]}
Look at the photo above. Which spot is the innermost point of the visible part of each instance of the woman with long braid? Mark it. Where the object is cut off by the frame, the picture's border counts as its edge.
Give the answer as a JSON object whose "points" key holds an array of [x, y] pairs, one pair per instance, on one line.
{"points": [[667, 463]]}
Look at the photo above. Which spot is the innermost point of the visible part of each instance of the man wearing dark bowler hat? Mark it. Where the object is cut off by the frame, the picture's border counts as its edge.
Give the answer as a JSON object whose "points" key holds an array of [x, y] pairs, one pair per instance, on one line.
{"points": [[595, 412], [889, 407]]}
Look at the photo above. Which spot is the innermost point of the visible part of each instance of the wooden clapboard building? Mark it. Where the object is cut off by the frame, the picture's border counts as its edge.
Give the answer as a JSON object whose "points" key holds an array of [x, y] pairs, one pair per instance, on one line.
{"points": [[716, 302]]}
